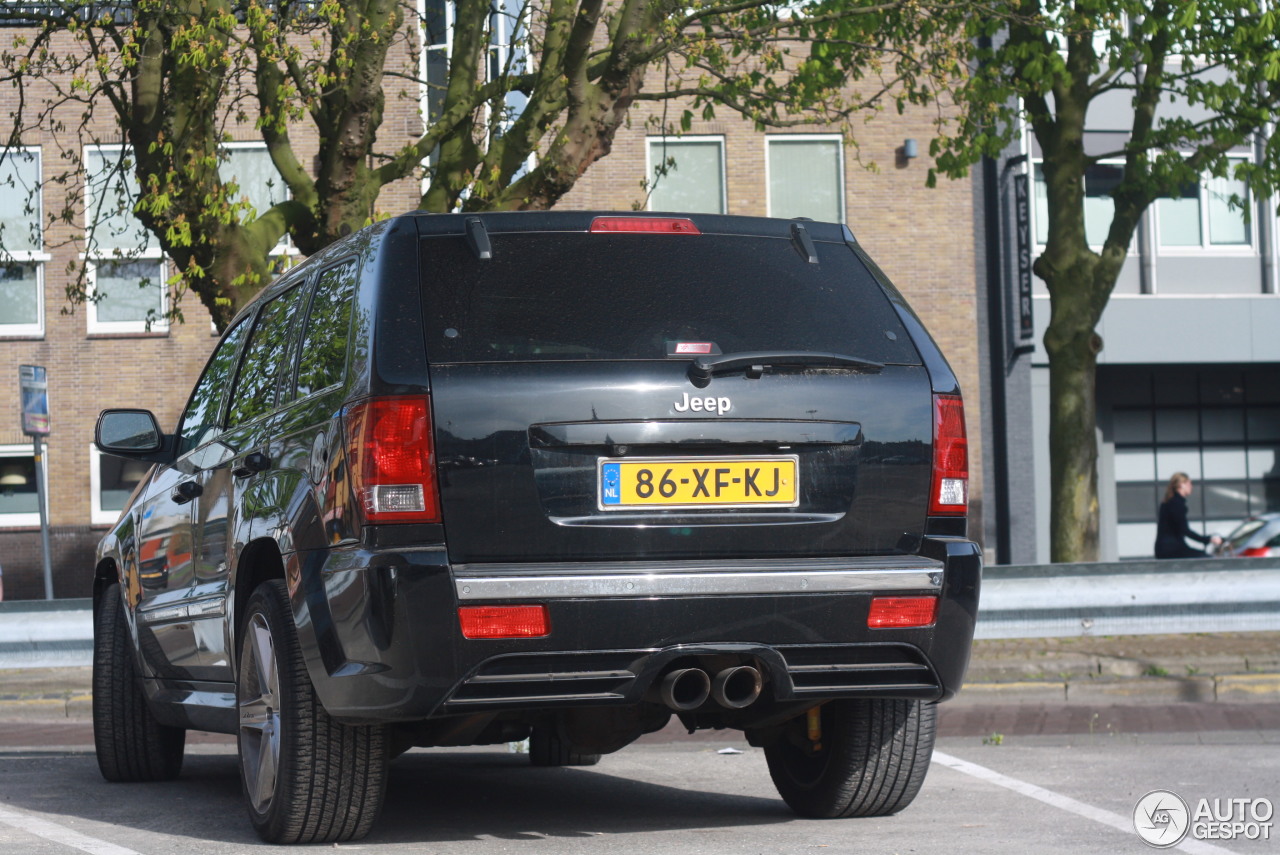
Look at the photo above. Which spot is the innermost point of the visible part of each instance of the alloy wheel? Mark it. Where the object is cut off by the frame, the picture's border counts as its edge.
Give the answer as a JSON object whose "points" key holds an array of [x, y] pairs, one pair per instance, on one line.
{"points": [[259, 703]]}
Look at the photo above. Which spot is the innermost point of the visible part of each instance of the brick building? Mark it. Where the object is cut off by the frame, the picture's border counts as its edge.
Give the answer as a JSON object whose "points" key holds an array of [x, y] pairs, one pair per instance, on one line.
{"points": [[105, 355]]}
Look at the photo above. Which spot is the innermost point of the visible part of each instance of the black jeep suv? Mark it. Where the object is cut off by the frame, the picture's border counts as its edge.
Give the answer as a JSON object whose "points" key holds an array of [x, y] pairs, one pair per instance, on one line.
{"points": [[471, 479]]}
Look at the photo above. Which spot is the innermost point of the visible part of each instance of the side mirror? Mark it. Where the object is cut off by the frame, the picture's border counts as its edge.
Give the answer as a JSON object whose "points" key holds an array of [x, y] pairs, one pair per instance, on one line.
{"points": [[128, 433]]}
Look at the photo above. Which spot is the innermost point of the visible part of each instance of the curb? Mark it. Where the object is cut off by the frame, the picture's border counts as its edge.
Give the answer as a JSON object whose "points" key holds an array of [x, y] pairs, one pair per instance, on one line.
{"points": [[1228, 688], [1120, 691], [1248, 687], [76, 707]]}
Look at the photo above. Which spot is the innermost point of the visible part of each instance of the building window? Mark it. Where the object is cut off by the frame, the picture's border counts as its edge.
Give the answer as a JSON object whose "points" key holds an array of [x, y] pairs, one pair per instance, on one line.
{"points": [[437, 24], [507, 55], [806, 177], [1100, 181], [1040, 191], [128, 296], [1201, 216], [19, 503], [21, 299], [127, 290], [1220, 426], [21, 244], [248, 165], [687, 175], [111, 482]]}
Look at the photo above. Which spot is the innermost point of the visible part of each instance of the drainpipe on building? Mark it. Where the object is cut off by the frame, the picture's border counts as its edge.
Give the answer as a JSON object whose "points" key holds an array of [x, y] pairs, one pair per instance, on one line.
{"points": [[1146, 254], [1266, 219], [998, 355]]}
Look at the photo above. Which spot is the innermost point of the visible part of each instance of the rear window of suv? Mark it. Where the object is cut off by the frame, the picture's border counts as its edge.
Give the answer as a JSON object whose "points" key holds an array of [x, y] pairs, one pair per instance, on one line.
{"points": [[561, 296]]}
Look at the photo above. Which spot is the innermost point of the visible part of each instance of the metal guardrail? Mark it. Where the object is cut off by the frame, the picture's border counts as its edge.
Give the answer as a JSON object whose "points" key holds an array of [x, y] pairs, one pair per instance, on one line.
{"points": [[1130, 598], [46, 633], [1018, 601]]}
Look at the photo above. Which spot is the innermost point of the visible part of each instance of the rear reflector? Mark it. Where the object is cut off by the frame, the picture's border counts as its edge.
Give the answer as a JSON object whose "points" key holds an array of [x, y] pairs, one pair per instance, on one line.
{"points": [[662, 225], [898, 612], [1256, 552], [504, 621], [950, 493], [391, 455]]}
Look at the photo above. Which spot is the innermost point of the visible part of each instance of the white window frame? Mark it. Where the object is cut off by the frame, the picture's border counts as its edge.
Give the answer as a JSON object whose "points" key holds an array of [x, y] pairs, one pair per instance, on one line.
{"points": [[1034, 216], [504, 14], [160, 325], [1099, 45], [285, 245], [36, 330], [31, 519], [424, 91], [770, 139], [718, 139], [36, 258], [1206, 247], [424, 66]]}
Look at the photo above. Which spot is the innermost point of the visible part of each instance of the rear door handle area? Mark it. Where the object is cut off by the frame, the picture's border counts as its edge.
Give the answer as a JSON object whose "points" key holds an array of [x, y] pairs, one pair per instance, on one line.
{"points": [[186, 491], [255, 462]]}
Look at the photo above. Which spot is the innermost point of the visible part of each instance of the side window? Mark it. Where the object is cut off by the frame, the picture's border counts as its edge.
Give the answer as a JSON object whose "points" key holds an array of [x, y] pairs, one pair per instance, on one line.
{"points": [[254, 393], [324, 343], [200, 418]]}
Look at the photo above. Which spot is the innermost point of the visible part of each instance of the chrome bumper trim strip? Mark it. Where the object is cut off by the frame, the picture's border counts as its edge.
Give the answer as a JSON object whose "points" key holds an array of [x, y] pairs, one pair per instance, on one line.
{"points": [[657, 584]]}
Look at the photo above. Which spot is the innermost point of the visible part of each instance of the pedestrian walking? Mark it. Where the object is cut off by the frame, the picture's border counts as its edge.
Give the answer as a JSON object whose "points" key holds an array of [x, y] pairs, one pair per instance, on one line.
{"points": [[1172, 528]]}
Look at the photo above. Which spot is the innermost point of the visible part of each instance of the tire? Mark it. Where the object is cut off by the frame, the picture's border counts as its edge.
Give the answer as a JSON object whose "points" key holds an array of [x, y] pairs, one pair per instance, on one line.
{"points": [[131, 744], [306, 778], [546, 748], [872, 758]]}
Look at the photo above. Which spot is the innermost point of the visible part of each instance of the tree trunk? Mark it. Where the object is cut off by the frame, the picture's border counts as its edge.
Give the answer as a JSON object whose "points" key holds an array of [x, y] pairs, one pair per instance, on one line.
{"points": [[1073, 444]]}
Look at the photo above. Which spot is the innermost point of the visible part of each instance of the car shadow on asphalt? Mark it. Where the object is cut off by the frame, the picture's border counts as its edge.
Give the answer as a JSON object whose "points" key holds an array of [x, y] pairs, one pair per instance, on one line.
{"points": [[438, 797], [432, 797]]}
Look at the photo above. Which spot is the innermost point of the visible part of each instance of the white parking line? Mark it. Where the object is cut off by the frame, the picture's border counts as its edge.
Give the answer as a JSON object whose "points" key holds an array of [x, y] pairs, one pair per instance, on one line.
{"points": [[60, 834], [1105, 817]]}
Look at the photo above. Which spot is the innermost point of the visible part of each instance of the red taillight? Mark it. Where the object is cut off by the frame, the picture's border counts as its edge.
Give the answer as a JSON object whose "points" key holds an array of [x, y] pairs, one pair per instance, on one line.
{"points": [[662, 225], [899, 612], [1255, 552], [950, 492], [504, 621], [391, 458]]}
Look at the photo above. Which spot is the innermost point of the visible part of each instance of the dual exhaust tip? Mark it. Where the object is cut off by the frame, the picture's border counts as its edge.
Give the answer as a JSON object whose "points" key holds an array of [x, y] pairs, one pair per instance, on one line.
{"points": [[689, 688]]}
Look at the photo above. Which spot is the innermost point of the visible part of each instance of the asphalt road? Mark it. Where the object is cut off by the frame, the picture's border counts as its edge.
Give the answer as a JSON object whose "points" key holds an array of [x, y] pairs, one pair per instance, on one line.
{"points": [[1037, 791]]}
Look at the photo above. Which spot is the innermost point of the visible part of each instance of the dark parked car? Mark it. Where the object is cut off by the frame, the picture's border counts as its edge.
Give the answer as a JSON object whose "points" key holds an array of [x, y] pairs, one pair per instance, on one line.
{"points": [[464, 480]]}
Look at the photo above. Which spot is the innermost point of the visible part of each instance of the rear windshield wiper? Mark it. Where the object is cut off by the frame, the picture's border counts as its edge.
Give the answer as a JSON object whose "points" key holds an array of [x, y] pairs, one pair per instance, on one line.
{"points": [[754, 363]]}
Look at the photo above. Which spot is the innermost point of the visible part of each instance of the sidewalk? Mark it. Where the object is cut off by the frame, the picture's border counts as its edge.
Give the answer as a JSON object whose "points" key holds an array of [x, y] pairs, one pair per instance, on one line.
{"points": [[1138, 669]]}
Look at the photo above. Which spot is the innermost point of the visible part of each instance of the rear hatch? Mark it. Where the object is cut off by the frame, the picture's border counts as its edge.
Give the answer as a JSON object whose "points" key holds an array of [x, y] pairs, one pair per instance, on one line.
{"points": [[573, 423]]}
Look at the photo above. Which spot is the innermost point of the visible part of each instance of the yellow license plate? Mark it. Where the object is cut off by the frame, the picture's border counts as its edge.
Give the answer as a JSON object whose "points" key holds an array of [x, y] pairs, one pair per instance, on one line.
{"points": [[698, 482]]}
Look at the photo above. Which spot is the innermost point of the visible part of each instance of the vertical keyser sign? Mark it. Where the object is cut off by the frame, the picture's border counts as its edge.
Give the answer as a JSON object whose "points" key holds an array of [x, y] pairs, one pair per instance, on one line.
{"points": [[1022, 223]]}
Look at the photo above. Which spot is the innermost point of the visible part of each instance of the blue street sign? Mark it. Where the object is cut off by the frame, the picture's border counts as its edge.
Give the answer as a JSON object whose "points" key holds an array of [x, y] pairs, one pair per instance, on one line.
{"points": [[35, 400]]}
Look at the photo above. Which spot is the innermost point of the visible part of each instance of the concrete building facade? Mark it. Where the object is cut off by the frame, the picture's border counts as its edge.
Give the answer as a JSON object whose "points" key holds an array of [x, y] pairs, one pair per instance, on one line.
{"points": [[1189, 375]]}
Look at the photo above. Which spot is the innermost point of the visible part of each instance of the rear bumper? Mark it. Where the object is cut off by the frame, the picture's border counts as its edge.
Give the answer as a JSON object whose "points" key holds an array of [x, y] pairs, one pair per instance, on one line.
{"points": [[381, 638]]}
